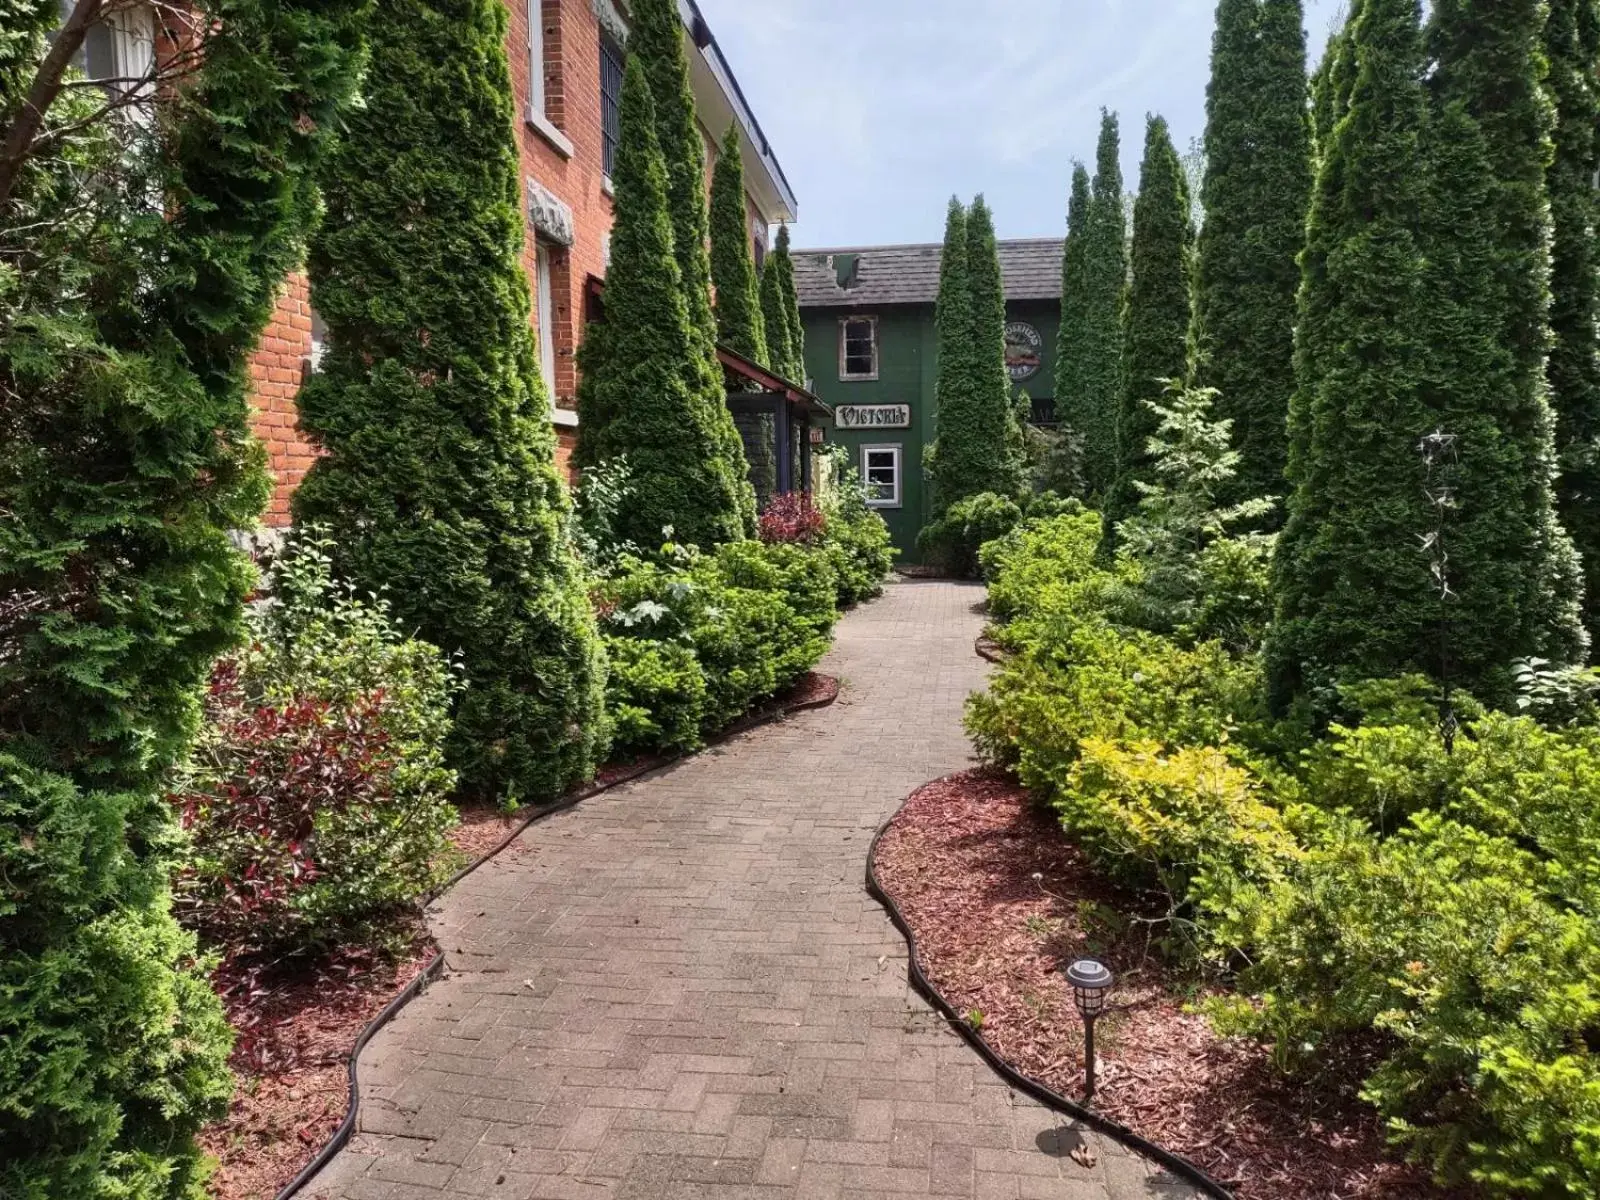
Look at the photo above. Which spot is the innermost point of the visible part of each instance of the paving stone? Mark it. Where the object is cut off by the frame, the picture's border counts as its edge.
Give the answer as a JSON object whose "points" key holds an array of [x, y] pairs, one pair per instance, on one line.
{"points": [[681, 990]]}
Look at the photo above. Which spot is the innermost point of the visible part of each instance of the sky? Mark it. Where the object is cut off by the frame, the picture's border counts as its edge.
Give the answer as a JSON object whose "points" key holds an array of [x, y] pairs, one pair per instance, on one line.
{"points": [[881, 110]]}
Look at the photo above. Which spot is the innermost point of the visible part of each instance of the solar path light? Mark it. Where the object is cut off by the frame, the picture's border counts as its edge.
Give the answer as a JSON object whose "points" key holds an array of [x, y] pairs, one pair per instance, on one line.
{"points": [[1091, 983]]}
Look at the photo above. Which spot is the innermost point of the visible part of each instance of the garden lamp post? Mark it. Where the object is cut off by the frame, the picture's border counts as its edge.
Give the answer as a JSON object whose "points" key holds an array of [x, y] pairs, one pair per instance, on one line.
{"points": [[1091, 982]]}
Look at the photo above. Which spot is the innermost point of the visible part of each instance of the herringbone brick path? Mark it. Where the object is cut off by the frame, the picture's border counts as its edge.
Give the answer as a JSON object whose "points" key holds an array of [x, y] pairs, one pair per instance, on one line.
{"points": [[681, 988]]}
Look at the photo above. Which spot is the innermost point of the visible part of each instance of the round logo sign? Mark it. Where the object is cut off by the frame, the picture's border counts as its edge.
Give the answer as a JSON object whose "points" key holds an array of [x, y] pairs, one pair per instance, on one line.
{"points": [[1024, 350]]}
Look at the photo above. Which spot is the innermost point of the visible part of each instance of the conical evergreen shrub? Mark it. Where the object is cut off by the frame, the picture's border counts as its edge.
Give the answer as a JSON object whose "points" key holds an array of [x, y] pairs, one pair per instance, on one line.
{"points": [[789, 302], [644, 395], [951, 465], [1256, 192], [999, 434], [1572, 46], [1070, 361], [1352, 593], [656, 39], [1156, 318], [125, 465], [438, 480], [1093, 409], [740, 325], [1491, 62], [775, 322]]}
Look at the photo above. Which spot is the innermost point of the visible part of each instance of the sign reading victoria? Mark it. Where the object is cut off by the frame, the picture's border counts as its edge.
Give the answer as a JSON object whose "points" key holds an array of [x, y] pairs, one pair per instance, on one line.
{"points": [[872, 416]]}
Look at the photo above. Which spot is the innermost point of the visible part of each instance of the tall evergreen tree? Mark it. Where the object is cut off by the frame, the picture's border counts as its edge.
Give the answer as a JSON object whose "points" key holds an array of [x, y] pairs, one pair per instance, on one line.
{"points": [[999, 435], [790, 303], [950, 464], [1490, 61], [1156, 322], [1070, 360], [1093, 410], [438, 480], [1352, 594], [1256, 192], [775, 321], [1572, 46], [644, 396], [656, 39], [125, 464], [740, 325]]}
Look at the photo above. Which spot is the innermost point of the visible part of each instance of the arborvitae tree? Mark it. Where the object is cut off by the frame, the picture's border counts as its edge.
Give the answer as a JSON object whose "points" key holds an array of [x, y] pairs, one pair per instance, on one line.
{"points": [[999, 434], [1332, 81], [791, 307], [1491, 62], [780, 350], [644, 396], [438, 479], [1156, 321], [1094, 408], [1256, 192], [1070, 359], [951, 464], [1572, 45], [1353, 596], [125, 463], [656, 39], [740, 325]]}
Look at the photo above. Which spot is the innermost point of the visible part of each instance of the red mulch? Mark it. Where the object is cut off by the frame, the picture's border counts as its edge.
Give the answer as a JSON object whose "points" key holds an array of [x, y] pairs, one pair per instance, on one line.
{"points": [[296, 1024], [1001, 902], [814, 690]]}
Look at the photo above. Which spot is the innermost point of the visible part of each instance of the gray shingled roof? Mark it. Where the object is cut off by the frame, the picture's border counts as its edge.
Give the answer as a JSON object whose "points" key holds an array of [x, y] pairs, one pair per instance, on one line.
{"points": [[910, 274]]}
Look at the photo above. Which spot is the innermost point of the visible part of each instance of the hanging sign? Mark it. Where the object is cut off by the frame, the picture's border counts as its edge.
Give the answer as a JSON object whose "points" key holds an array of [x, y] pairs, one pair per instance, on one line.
{"points": [[872, 416], [1024, 351]]}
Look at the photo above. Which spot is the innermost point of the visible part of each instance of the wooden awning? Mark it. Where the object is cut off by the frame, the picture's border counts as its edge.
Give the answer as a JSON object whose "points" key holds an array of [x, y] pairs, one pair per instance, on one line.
{"points": [[770, 383]]}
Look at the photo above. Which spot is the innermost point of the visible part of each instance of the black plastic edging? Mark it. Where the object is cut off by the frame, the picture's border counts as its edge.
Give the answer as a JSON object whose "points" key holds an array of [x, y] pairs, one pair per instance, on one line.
{"points": [[1174, 1163], [435, 965]]}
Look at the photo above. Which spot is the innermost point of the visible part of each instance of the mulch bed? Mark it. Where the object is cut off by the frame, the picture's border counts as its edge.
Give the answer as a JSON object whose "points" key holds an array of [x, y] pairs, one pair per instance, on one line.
{"points": [[297, 1022], [1000, 903], [295, 1025]]}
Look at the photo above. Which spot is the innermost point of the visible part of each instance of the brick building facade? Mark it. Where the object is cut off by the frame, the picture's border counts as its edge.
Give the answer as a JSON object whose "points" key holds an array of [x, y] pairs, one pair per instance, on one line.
{"points": [[566, 60]]}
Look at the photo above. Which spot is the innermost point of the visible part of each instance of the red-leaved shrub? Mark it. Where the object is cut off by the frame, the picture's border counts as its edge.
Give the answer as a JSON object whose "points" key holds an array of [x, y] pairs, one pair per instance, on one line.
{"points": [[794, 519]]}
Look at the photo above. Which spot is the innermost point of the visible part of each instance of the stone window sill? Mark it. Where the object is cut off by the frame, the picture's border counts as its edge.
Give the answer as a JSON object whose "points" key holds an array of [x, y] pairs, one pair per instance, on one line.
{"points": [[542, 126]]}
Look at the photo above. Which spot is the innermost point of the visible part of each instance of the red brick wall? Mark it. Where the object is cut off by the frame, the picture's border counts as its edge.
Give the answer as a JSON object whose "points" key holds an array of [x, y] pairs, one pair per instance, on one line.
{"points": [[275, 375]]}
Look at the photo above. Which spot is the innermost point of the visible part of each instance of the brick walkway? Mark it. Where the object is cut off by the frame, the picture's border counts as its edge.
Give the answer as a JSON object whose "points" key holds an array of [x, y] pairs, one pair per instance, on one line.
{"points": [[681, 988]]}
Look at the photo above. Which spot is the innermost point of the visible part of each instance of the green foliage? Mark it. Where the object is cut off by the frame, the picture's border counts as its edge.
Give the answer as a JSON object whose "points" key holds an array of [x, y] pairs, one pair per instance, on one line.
{"points": [[417, 271], [1572, 46], [657, 41], [979, 446], [598, 502], [643, 394], [780, 305], [1093, 367], [740, 325], [1071, 364], [952, 541], [1256, 192], [750, 620], [1197, 579], [1156, 321], [1353, 595], [318, 799], [125, 461], [856, 541]]}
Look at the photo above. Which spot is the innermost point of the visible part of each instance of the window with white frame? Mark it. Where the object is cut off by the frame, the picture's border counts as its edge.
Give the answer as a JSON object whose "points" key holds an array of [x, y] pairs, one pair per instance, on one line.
{"points": [[880, 475], [547, 321], [120, 50], [858, 348]]}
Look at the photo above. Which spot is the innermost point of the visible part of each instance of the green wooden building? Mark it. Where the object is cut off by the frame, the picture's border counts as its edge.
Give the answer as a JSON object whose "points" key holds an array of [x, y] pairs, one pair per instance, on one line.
{"points": [[872, 356]]}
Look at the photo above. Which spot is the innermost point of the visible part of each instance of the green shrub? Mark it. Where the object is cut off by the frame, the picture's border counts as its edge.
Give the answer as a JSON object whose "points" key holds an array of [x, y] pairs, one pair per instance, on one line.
{"points": [[1484, 989], [953, 540], [318, 800], [856, 541], [656, 694], [755, 618]]}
